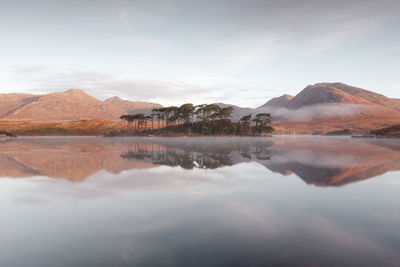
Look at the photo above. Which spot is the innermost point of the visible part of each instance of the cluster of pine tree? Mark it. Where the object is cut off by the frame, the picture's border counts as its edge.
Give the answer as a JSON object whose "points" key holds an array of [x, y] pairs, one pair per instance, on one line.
{"points": [[206, 119]]}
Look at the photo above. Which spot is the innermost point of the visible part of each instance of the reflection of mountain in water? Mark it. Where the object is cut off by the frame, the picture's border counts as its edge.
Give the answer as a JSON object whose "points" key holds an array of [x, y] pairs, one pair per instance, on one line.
{"points": [[334, 161], [318, 161], [74, 159]]}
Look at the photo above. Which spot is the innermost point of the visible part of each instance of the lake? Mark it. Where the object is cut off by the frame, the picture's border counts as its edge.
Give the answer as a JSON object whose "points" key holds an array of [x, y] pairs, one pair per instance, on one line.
{"points": [[280, 201]]}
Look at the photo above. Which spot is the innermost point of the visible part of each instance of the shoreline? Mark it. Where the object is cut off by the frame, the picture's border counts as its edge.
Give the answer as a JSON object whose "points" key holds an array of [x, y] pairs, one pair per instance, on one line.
{"points": [[93, 128]]}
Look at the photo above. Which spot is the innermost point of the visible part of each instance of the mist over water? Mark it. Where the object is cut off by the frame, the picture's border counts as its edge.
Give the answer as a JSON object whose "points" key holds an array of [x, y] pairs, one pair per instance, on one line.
{"points": [[318, 111], [281, 201], [326, 110]]}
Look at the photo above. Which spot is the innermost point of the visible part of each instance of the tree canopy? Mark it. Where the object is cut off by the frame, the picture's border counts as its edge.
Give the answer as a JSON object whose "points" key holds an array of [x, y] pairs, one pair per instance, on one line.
{"points": [[205, 119]]}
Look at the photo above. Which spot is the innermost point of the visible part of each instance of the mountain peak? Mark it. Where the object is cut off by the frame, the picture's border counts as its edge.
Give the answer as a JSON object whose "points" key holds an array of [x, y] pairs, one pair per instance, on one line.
{"points": [[114, 98], [324, 93], [333, 93], [324, 84], [131, 106], [286, 96], [340, 93], [282, 101], [75, 91]]}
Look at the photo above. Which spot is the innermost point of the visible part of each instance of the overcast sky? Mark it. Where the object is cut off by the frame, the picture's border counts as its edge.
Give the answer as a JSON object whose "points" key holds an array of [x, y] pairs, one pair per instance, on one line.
{"points": [[242, 52]]}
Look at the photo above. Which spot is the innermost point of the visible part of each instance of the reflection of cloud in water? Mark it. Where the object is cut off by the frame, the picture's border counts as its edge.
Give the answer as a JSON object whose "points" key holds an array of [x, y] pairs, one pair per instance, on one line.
{"points": [[158, 179]]}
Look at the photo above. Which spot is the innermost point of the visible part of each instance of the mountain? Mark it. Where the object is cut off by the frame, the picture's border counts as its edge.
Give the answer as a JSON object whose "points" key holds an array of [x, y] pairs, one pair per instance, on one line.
{"points": [[323, 93], [131, 106], [70, 105], [317, 109], [333, 93], [325, 107], [282, 101]]}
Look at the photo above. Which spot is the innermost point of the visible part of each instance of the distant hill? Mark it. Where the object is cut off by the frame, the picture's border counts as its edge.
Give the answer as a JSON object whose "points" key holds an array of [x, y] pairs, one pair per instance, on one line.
{"points": [[131, 106], [238, 112], [73, 104], [282, 101]]}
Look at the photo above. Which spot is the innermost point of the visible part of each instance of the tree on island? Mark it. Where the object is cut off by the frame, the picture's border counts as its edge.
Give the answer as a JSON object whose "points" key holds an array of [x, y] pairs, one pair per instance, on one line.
{"points": [[244, 125], [262, 121], [205, 119]]}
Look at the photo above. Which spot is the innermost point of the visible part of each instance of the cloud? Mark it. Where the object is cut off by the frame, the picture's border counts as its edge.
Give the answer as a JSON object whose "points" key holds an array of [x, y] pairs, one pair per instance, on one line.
{"points": [[28, 69], [197, 89], [104, 85], [229, 45], [250, 217], [260, 31]]}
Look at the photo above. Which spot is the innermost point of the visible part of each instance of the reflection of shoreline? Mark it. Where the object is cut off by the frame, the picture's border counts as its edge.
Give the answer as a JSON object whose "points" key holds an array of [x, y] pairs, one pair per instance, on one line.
{"points": [[318, 161]]}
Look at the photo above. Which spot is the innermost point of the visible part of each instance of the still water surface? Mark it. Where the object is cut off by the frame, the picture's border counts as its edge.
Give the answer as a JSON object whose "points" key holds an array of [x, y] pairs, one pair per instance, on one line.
{"points": [[281, 201]]}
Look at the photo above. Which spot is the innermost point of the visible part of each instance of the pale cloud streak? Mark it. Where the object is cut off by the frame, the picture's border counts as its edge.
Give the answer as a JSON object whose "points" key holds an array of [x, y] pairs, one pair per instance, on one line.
{"points": [[220, 48], [104, 85]]}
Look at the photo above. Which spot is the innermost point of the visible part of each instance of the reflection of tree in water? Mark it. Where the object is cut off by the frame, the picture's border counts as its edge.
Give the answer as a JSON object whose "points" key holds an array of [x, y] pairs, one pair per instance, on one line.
{"points": [[262, 153], [203, 155], [136, 154]]}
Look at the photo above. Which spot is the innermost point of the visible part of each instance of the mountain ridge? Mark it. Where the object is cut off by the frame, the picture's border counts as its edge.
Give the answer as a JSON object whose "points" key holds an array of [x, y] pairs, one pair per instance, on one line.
{"points": [[69, 105], [333, 93], [73, 104], [317, 109]]}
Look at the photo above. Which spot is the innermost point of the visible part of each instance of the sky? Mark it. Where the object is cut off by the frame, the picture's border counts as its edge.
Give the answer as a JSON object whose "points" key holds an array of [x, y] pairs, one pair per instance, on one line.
{"points": [[240, 52]]}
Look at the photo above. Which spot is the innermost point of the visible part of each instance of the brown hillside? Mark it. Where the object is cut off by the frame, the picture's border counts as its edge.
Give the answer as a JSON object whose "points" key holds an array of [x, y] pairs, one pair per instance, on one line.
{"points": [[322, 94], [369, 96], [11, 102], [358, 124], [69, 105]]}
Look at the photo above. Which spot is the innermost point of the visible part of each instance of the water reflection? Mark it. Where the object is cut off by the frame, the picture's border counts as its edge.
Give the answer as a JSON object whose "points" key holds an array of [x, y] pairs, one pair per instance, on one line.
{"points": [[317, 161], [204, 154], [199, 202]]}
